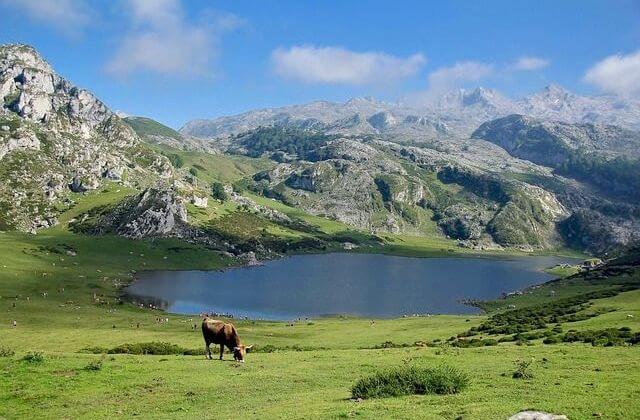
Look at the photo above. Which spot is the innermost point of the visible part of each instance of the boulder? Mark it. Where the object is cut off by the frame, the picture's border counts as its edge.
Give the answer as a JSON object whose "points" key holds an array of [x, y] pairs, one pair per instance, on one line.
{"points": [[537, 415], [201, 202]]}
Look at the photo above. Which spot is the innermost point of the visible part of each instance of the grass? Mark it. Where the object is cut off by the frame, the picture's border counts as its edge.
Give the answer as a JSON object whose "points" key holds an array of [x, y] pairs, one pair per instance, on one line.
{"points": [[307, 370], [146, 126], [563, 270], [63, 290], [222, 168]]}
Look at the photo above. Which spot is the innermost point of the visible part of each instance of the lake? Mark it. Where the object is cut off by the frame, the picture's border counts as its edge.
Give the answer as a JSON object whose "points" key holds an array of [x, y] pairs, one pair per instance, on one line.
{"points": [[379, 286]]}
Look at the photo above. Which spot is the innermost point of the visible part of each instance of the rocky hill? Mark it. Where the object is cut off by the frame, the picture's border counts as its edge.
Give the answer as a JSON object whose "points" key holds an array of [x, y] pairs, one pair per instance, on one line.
{"points": [[57, 140], [517, 182], [604, 156], [383, 186], [484, 193]]}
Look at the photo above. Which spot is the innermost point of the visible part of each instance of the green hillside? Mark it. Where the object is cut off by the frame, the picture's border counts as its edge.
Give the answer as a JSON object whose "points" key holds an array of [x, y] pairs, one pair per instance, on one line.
{"points": [[311, 363], [147, 127]]}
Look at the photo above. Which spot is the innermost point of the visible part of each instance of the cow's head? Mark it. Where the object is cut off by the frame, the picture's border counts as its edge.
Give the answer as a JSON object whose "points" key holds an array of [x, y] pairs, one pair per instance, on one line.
{"points": [[240, 351]]}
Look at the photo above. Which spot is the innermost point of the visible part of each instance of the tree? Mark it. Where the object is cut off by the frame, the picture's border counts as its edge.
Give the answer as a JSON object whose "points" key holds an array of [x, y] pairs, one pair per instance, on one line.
{"points": [[218, 192]]}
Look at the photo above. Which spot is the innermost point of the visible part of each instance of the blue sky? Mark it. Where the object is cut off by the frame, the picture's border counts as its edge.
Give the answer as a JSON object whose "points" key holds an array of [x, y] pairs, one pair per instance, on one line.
{"points": [[175, 61]]}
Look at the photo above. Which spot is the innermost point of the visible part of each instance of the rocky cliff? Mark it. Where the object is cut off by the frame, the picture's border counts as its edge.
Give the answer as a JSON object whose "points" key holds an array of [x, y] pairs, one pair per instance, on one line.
{"points": [[57, 140]]}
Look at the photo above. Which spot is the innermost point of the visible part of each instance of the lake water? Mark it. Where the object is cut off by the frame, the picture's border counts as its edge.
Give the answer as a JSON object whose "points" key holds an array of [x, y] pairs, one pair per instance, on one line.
{"points": [[329, 284]]}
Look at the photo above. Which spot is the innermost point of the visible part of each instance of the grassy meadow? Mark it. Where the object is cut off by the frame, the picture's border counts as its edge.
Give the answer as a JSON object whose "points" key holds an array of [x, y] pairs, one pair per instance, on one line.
{"points": [[63, 292]]}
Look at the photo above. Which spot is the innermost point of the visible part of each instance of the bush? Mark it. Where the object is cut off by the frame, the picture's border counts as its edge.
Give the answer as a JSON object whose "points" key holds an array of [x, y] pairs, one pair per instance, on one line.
{"points": [[94, 365], [6, 352], [218, 192], [153, 348], [475, 342], [411, 380], [176, 160], [269, 348], [554, 339], [33, 357], [523, 370], [390, 345]]}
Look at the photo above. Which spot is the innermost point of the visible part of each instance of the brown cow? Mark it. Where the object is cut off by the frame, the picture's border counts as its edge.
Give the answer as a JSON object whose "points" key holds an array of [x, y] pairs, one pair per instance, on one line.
{"points": [[225, 334]]}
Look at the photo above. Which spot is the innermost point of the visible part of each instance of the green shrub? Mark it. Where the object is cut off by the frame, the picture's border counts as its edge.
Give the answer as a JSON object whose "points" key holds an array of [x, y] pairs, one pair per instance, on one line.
{"points": [[536, 317], [94, 365], [6, 352], [175, 159], [554, 339], [269, 348], [475, 342], [523, 370], [303, 143], [33, 357], [390, 345], [607, 337], [411, 380], [153, 348], [218, 192]]}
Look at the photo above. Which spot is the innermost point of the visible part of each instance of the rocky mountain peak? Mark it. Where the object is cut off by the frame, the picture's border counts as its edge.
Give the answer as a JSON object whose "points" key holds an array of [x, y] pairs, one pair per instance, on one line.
{"points": [[57, 140], [478, 97], [555, 97], [361, 100], [30, 88], [24, 54], [482, 96]]}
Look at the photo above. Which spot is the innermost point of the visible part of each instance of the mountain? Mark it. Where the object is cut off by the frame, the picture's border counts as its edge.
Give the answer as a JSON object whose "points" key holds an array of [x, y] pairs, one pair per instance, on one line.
{"points": [[57, 140], [605, 156], [558, 104], [456, 113], [549, 142], [364, 167]]}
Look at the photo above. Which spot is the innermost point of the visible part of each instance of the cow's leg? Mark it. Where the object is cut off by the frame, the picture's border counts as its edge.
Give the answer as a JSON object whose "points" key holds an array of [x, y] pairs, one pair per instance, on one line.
{"points": [[221, 350], [207, 350]]}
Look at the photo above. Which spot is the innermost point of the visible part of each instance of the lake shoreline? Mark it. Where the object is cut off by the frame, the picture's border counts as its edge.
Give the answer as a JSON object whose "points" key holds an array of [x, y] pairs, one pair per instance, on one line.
{"points": [[347, 267]]}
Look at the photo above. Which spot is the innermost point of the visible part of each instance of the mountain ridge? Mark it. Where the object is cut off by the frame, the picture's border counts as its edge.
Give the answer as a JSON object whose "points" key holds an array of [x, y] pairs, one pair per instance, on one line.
{"points": [[374, 167], [460, 110]]}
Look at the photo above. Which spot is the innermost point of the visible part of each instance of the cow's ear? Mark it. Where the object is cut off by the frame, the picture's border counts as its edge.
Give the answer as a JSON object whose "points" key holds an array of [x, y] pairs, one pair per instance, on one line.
{"points": [[248, 347]]}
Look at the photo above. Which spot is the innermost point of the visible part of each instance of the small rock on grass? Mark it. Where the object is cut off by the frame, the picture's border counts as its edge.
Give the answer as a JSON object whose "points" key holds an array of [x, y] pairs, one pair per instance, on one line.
{"points": [[537, 415]]}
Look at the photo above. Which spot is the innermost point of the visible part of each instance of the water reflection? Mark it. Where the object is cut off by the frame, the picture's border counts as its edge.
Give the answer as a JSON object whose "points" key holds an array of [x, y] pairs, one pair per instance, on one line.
{"points": [[357, 284]]}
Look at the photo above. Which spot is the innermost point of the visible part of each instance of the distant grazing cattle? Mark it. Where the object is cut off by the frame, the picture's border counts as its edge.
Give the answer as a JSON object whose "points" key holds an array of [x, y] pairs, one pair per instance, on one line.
{"points": [[224, 334]]}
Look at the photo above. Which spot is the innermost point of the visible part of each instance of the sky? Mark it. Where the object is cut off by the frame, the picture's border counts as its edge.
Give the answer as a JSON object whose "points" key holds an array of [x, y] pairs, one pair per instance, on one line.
{"points": [[175, 60]]}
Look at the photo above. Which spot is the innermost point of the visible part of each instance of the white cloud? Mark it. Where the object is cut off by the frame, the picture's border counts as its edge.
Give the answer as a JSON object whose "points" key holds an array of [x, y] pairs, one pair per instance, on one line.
{"points": [[338, 65], [162, 40], [530, 63], [70, 17], [446, 78], [617, 73]]}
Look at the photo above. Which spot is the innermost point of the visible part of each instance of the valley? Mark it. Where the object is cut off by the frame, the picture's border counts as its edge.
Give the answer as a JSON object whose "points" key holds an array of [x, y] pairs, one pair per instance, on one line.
{"points": [[89, 199]]}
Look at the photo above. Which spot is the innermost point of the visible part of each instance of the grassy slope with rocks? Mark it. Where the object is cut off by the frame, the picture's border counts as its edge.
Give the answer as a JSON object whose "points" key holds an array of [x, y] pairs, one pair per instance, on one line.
{"points": [[336, 351]]}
